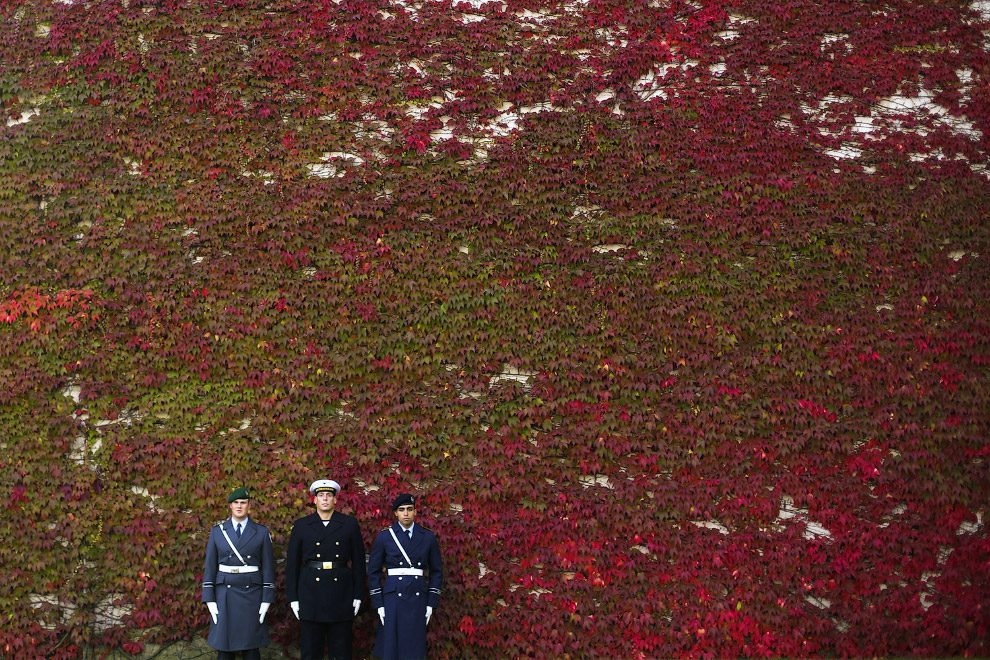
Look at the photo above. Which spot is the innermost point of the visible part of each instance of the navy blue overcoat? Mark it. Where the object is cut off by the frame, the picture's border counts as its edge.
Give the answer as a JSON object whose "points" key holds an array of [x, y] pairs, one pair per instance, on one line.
{"points": [[239, 595], [404, 597]]}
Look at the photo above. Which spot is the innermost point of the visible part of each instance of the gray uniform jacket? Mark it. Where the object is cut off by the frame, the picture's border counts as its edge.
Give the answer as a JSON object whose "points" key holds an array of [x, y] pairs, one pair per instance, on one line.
{"points": [[239, 595]]}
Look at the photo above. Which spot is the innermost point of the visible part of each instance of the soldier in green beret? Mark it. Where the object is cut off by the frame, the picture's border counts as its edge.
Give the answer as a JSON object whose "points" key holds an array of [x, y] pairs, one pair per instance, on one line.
{"points": [[239, 581]]}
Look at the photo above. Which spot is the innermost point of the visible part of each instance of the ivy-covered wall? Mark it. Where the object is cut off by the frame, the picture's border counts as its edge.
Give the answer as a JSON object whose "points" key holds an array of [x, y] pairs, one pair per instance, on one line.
{"points": [[675, 313]]}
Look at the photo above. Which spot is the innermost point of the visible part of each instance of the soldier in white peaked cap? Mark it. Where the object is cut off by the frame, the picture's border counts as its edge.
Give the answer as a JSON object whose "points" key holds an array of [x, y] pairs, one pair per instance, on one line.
{"points": [[324, 575]]}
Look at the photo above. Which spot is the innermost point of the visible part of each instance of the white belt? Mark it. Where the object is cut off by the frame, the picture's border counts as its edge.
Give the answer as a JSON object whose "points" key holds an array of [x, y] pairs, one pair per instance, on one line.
{"points": [[237, 569], [405, 571]]}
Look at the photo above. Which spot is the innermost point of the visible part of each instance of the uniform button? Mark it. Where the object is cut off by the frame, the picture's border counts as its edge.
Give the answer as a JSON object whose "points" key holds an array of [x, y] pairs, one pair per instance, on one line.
{"points": [[317, 543], [337, 556], [417, 593], [400, 579], [317, 556], [317, 579], [228, 586], [338, 542], [249, 556]]}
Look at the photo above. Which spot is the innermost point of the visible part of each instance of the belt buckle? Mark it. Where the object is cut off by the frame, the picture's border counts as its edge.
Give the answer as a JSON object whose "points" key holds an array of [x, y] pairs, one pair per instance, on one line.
{"points": [[327, 565]]}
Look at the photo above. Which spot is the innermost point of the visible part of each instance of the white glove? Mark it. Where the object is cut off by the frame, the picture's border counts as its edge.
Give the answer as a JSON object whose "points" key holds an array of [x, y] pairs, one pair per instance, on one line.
{"points": [[263, 610], [381, 615], [214, 610], [429, 613], [357, 605], [295, 607]]}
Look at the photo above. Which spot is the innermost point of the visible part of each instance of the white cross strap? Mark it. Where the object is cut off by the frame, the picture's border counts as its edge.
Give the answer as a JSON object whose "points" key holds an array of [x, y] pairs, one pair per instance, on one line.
{"points": [[224, 532], [401, 549]]}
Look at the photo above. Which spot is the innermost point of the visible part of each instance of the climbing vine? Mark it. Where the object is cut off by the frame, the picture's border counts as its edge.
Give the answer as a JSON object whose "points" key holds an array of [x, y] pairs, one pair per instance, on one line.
{"points": [[674, 313]]}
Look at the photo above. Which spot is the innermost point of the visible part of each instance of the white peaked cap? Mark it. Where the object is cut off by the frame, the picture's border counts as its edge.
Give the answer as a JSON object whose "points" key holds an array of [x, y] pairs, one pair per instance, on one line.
{"points": [[324, 484]]}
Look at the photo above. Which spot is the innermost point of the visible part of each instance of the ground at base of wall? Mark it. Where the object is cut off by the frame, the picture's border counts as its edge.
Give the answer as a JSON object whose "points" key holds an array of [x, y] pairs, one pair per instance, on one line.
{"points": [[196, 649]]}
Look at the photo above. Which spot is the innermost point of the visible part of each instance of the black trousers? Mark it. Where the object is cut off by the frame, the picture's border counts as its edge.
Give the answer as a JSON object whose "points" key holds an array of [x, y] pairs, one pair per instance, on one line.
{"points": [[334, 637], [247, 654]]}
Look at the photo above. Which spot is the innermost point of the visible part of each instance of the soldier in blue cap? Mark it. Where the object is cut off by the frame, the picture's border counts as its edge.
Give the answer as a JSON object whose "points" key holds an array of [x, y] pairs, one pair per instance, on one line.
{"points": [[405, 575], [239, 581], [324, 575]]}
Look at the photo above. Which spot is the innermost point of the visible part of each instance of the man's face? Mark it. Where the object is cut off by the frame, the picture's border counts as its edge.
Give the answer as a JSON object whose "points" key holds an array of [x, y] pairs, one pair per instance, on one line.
{"points": [[239, 509], [325, 501], [406, 514]]}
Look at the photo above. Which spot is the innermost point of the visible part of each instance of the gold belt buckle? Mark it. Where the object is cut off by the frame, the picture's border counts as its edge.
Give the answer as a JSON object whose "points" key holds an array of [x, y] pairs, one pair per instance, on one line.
{"points": [[327, 565]]}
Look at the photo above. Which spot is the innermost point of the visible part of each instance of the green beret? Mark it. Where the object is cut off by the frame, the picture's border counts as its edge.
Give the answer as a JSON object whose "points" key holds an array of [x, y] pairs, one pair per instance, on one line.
{"points": [[239, 494]]}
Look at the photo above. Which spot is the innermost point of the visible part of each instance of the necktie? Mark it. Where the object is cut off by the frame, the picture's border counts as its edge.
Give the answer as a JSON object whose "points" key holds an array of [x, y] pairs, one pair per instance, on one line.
{"points": [[409, 532], [238, 530]]}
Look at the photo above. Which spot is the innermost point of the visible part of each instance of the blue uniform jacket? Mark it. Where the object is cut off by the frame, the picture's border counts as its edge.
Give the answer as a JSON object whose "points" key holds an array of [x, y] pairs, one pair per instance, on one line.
{"points": [[404, 597]]}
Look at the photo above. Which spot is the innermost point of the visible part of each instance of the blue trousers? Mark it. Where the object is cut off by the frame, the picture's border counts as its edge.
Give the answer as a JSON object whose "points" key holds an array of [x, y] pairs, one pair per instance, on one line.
{"points": [[333, 637], [247, 654]]}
